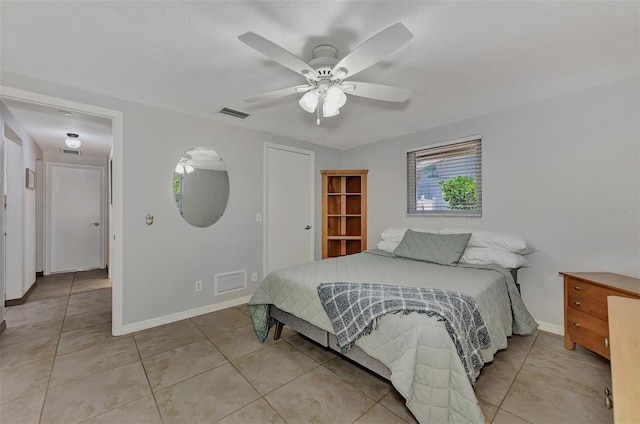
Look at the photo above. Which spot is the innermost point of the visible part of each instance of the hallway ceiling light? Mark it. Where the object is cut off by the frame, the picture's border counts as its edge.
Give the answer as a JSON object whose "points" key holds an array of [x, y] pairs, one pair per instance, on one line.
{"points": [[72, 141]]}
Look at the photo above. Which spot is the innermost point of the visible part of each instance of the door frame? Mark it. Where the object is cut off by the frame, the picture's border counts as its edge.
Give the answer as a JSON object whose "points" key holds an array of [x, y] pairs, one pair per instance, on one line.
{"points": [[115, 238], [265, 214], [17, 288], [48, 210]]}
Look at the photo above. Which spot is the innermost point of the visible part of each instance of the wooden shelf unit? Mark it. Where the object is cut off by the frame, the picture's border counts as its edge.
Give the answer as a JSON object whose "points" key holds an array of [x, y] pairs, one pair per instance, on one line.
{"points": [[344, 212]]}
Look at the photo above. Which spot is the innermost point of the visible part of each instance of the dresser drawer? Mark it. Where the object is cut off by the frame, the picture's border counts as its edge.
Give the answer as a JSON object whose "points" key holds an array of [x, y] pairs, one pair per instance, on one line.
{"points": [[590, 290], [593, 341], [587, 305], [577, 319]]}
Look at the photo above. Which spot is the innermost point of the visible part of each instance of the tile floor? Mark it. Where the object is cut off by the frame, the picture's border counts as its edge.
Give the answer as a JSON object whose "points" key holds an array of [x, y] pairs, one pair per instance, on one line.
{"points": [[60, 364]]}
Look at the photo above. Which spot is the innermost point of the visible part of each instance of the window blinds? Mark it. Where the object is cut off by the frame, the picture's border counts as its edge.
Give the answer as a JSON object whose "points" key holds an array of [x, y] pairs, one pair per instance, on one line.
{"points": [[428, 167]]}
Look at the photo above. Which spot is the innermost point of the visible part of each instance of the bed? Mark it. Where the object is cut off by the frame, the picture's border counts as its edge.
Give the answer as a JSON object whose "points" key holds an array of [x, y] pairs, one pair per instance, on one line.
{"points": [[414, 351]]}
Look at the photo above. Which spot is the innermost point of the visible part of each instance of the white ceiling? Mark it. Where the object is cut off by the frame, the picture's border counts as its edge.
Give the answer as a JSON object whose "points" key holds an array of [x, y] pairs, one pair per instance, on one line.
{"points": [[466, 58]]}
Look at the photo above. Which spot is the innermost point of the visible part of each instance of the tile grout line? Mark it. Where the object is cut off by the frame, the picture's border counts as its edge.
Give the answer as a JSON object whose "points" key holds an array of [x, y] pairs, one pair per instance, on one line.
{"points": [[338, 356], [229, 361], [264, 396], [377, 402], [274, 409], [205, 338], [55, 355], [144, 369], [261, 396], [514, 380]]}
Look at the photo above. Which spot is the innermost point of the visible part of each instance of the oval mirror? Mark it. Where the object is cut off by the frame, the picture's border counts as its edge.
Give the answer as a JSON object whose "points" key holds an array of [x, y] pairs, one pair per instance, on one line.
{"points": [[201, 186]]}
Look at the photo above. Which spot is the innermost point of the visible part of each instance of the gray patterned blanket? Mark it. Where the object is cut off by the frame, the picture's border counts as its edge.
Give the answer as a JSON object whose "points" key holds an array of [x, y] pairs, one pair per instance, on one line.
{"points": [[354, 310]]}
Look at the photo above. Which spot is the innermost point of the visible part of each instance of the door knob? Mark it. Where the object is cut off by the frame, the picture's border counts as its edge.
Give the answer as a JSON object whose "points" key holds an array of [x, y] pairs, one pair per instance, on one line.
{"points": [[96, 223], [308, 227]]}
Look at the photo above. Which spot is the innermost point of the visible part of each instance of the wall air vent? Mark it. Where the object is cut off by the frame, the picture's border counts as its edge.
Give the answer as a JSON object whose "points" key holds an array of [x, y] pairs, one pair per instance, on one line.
{"points": [[233, 113], [70, 152], [230, 282]]}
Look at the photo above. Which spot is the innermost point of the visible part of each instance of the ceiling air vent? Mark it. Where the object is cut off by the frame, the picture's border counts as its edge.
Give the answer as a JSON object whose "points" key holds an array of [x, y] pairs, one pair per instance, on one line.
{"points": [[70, 152], [234, 113]]}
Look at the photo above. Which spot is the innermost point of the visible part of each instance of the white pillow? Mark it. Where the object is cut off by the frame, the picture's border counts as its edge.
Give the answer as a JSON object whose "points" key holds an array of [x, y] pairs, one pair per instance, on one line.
{"points": [[485, 255], [494, 240], [387, 245], [397, 233]]}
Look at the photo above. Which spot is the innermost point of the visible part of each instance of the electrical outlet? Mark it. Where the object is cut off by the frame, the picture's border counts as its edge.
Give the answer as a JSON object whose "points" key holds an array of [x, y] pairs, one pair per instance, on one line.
{"points": [[199, 285], [254, 276]]}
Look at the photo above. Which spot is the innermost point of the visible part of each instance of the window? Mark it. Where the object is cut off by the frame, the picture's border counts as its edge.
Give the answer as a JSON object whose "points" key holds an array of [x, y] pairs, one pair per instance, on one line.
{"points": [[445, 179]]}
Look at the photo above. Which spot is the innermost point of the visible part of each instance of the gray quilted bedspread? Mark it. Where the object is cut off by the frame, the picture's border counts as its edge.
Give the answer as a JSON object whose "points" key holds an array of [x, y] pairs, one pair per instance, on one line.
{"points": [[355, 308], [417, 349]]}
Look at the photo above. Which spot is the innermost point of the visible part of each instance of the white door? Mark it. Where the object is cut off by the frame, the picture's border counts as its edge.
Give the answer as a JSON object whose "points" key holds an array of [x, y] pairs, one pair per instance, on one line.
{"points": [[14, 186], [75, 218], [289, 207]]}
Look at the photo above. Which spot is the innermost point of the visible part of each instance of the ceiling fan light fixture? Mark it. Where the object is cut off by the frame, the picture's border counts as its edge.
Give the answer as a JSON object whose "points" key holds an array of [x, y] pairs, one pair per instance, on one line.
{"points": [[335, 97], [72, 141], [348, 88], [309, 101], [341, 73], [329, 110]]}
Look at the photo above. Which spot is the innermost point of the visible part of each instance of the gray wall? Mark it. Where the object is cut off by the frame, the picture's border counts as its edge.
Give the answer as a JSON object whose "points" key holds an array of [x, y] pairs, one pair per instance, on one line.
{"points": [[556, 172], [162, 261]]}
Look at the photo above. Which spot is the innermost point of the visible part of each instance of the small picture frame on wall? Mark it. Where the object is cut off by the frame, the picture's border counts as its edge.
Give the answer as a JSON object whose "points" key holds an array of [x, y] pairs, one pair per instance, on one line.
{"points": [[31, 179]]}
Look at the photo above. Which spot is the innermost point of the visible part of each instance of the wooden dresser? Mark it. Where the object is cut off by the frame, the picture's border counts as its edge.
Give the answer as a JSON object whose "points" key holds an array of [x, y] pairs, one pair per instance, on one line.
{"points": [[586, 318]]}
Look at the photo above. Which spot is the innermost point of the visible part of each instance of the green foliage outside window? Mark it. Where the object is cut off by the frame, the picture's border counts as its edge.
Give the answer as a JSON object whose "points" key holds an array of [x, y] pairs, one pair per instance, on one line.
{"points": [[460, 192]]}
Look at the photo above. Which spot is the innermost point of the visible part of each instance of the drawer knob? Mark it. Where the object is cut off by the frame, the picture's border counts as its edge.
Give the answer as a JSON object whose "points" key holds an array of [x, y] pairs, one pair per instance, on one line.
{"points": [[576, 324], [577, 303], [608, 401], [606, 341], [576, 287]]}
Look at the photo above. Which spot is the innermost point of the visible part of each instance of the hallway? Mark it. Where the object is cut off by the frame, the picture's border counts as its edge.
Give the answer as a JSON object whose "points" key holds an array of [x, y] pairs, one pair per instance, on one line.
{"points": [[62, 307]]}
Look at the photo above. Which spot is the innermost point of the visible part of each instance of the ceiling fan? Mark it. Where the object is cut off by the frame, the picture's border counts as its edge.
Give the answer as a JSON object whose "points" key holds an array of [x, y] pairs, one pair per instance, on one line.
{"points": [[327, 76]]}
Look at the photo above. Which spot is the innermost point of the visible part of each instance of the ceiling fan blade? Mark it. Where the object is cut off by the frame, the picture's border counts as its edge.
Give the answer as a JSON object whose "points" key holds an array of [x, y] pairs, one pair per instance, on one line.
{"points": [[373, 50], [276, 94], [277, 54], [386, 93]]}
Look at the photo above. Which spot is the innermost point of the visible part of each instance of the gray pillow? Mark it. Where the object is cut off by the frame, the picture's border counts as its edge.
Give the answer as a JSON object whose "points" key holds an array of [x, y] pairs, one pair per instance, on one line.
{"points": [[443, 249]]}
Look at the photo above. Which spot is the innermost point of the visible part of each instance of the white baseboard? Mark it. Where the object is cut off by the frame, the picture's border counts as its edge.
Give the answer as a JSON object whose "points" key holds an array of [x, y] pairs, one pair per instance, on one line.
{"points": [[168, 319], [551, 328]]}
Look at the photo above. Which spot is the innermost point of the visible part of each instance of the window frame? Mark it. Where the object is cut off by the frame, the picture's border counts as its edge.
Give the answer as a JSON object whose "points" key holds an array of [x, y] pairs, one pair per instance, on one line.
{"points": [[440, 149]]}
